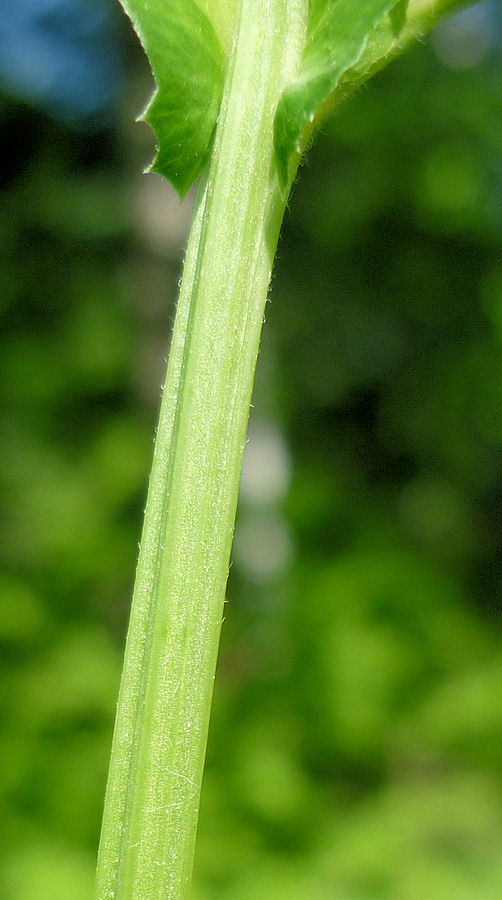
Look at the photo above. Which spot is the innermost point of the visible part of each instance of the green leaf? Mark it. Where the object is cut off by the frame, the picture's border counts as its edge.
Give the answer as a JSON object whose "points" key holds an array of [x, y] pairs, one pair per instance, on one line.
{"points": [[185, 42], [407, 21], [337, 34]]}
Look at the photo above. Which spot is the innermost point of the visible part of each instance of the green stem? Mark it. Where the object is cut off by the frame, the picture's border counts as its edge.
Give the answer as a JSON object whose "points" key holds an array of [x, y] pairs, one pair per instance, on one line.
{"points": [[158, 750], [151, 808]]}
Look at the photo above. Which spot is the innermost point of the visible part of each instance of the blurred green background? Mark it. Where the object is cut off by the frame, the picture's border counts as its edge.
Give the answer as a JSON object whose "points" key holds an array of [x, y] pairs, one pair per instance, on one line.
{"points": [[356, 741]]}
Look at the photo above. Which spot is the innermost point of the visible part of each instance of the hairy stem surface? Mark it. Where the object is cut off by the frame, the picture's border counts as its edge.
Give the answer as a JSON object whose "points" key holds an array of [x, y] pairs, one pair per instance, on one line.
{"points": [[161, 730], [152, 800]]}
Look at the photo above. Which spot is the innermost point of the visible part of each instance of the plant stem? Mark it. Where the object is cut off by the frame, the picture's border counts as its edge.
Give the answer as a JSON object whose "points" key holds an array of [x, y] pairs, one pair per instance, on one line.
{"points": [[160, 735]]}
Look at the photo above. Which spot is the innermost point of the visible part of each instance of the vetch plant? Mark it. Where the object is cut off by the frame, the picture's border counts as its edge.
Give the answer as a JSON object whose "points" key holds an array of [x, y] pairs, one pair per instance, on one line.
{"points": [[241, 86]]}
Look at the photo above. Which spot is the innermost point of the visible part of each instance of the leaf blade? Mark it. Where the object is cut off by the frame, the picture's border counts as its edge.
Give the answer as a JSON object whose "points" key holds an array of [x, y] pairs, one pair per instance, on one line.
{"points": [[188, 63], [336, 38]]}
